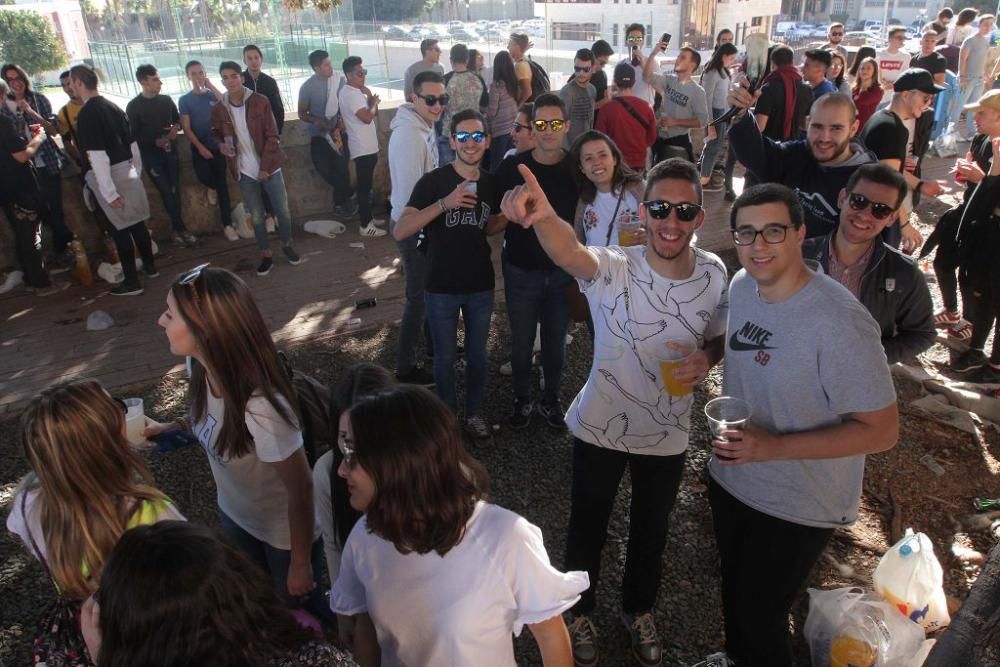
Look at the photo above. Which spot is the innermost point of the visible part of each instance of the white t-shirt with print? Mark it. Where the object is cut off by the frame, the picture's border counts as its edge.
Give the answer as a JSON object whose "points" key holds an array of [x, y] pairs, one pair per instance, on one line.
{"points": [[460, 608], [248, 161], [891, 65], [623, 404], [597, 215], [362, 137], [250, 492]]}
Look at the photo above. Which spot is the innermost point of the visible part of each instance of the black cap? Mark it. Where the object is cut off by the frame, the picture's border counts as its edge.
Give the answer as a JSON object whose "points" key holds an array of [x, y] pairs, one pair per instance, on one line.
{"points": [[624, 75], [916, 78]]}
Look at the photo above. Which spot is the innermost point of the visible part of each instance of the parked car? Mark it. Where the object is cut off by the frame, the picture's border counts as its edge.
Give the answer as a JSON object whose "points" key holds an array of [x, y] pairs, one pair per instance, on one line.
{"points": [[464, 35], [396, 32]]}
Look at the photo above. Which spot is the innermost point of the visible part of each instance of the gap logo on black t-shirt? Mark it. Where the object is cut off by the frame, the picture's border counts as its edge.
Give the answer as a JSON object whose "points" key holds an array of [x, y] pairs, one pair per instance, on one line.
{"points": [[467, 216]]}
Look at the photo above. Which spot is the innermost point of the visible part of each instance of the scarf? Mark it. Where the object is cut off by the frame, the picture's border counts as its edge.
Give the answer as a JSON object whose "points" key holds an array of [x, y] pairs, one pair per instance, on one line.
{"points": [[789, 77]]}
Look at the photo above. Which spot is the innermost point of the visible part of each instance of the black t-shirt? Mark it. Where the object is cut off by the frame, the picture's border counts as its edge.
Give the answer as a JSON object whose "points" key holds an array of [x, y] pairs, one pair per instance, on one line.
{"points": [[772, 103], [935, 63], [149, 118], [885, 135], [521, 245], [600, 82], [102, 126], [15, 177], [458, 254]]}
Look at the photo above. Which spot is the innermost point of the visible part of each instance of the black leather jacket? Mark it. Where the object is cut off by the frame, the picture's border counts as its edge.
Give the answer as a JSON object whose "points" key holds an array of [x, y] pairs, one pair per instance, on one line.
{"points": [[894, 291]]}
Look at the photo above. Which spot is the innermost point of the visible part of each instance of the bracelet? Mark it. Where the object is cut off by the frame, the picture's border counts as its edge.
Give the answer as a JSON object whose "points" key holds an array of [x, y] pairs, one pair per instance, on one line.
{"points": [[904, 225], [444, 209]]}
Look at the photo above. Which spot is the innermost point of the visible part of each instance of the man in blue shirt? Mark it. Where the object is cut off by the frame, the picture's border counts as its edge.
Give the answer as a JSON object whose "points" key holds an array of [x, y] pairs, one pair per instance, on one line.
{"points": [[208, 162], [814, 69]]}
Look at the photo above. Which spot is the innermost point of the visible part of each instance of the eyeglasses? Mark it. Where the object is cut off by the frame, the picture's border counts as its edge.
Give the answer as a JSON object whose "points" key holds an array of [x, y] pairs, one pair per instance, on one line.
{"points": [[637, 39], [585, 68], [360, 72], [431, 101], [556, 124], [660, 210], [347, 449], [773, 233], [477, 136], [518, 127], [859, 202]]}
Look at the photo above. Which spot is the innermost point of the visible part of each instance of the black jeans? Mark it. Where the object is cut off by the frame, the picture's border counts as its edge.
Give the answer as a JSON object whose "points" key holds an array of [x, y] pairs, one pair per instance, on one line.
{"points": [[163, 168], [124, 239], [597, 473], [364, 168], [332, 167], [27, 244], [212, 174], [766, 564], [981, 306], [53, 218]]}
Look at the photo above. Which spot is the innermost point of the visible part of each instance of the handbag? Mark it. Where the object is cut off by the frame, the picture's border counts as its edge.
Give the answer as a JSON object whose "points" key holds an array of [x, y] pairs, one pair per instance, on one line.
{"points": [[579, 309], [58, 640]]}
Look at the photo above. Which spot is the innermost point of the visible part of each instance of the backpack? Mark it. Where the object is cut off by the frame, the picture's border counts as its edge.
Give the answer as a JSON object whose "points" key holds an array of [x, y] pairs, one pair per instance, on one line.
{"points": [[313, 399], [539, 80]]}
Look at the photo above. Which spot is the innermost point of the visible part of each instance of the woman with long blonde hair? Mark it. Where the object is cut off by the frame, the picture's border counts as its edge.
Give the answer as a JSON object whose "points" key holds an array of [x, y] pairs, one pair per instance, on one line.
{"points": [[86, 487], [243, 413]]}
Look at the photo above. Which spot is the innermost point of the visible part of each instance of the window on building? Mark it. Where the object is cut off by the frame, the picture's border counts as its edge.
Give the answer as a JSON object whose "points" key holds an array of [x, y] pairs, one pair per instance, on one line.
{"points": [[757, 20], [649, 35], [582, 32], [614, 34]]}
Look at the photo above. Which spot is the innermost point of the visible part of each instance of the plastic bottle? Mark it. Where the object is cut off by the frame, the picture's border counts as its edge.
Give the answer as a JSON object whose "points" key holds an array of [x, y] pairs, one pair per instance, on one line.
{"points": [[111, 249], [82, 267]]}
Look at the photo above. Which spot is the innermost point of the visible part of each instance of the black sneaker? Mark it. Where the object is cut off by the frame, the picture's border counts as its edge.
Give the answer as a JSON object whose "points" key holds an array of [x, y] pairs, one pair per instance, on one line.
{"points": [[126, 290], [416, 375], [645, 639], [969, 360], [521, 416], [583, 639], [292, 256], [348, 208], [555, 417], [265, 266], [478, 428]]}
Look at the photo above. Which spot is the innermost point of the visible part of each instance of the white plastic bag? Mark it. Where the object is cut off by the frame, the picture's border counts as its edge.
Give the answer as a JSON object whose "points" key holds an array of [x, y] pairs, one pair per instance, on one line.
{"points": [[909, 577], [848, 628], [327, 228], [110, 273], [242, 222], [946, 145], [99, 321]]}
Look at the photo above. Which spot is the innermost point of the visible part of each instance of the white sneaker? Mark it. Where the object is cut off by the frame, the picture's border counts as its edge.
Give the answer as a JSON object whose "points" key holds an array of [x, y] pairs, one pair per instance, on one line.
{"points": [[270, 224], [230, 233], [213, 198], [14, 278], [371, 231]]}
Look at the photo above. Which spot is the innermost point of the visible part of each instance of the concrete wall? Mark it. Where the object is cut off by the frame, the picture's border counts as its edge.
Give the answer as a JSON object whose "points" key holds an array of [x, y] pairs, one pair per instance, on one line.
{"points": [[309, 196]]}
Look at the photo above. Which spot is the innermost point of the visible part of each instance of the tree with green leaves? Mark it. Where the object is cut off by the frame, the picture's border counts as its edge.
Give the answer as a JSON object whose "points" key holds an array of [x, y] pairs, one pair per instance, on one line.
{"points": [[27, 39]]}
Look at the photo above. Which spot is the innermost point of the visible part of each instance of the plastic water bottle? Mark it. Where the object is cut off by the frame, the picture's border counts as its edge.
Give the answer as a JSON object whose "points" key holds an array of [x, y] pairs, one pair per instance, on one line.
{"points": [[81, 268]]}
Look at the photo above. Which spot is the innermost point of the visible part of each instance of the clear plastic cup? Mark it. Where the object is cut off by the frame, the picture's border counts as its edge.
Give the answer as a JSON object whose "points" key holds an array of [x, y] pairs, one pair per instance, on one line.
{"points": [[135, 420], [630, 232], [674, 353], [727, 413]]}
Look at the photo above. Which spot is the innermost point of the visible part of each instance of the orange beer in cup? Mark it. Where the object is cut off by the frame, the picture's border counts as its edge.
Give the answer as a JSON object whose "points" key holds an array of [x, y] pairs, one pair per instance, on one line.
{"points": [[676, 351], [630, 232]]}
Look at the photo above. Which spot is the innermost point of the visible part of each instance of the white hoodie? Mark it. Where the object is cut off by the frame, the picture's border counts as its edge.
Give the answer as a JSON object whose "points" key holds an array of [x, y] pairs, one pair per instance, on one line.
{"points": [[412, 153]]}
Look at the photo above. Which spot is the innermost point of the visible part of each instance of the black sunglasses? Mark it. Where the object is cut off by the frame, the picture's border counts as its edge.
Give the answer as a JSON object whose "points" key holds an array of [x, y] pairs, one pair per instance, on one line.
{"points": [[430, 100], [585, 68], [660, 209], [518, 126], [477, 136], [859, 202]]}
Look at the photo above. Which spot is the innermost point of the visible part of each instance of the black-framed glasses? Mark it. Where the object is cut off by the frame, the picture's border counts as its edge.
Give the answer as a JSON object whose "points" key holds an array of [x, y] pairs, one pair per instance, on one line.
{"points": [[519, 126], [585, 68], [556, 125], [477, 136], [660, 209], [431, 100], [772, 233], [858, 202]]}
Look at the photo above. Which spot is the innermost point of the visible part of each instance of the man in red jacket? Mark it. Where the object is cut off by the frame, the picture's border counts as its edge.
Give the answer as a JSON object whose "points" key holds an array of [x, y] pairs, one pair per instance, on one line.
{"points": [[629, 120], [247, 135]]}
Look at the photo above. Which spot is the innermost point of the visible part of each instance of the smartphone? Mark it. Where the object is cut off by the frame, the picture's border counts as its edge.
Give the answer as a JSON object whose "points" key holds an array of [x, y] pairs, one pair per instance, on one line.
{"points": [[472, 186], [665, 38]]}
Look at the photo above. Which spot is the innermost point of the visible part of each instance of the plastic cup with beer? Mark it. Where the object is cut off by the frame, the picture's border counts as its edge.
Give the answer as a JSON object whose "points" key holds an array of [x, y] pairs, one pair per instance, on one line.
{"points": [[727, 413], [674, 353], [135, 420], [630, 231]]}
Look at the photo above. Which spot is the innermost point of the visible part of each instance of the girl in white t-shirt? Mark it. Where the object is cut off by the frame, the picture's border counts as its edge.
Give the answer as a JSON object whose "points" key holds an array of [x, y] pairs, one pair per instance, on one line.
{"points": [[433, 574], [86, 487], [245, 419]]}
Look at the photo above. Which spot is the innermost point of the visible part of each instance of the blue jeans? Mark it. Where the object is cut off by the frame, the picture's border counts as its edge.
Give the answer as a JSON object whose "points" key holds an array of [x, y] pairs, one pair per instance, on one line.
{"points": [[275, 562], [442, 317], [533, 298], [714, 147], [164, 170], [253, 197], [968, 94], [413, 322]]}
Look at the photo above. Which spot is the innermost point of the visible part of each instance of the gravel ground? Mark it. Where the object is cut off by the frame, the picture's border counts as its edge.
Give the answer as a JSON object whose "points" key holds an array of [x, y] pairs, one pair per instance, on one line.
{"points": [[531, 475]]}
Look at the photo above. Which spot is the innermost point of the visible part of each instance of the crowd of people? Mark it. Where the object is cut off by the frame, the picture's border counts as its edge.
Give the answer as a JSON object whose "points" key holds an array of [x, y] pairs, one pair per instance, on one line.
{"points": [[599, 197]]}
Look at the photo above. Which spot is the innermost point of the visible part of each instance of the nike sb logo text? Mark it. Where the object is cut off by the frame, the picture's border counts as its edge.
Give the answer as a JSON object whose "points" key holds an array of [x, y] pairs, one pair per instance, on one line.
{"points": [[750, 337]]}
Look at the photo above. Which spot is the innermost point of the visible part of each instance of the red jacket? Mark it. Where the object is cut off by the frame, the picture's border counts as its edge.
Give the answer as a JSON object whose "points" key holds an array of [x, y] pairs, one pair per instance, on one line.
{"points": [[262, 127], [626, 130], [866, 102]]}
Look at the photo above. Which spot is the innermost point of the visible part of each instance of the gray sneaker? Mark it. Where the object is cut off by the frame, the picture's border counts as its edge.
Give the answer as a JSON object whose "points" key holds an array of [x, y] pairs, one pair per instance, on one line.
{"points": [[645, 640], [583, 639], [477, 427]]}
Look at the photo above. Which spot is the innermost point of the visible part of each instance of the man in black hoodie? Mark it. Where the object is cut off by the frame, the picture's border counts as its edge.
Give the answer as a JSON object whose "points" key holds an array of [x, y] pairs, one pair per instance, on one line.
{"points": [[817, 167]]}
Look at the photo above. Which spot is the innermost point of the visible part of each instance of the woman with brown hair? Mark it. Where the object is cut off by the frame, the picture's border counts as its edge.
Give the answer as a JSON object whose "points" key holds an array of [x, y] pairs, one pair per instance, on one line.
{"points": [[867, 90], [443, 575], [243, 414], [173, 594]]}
